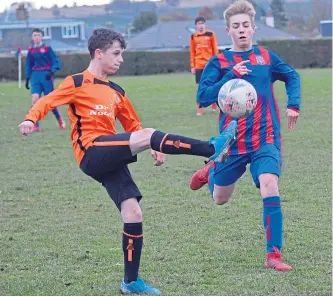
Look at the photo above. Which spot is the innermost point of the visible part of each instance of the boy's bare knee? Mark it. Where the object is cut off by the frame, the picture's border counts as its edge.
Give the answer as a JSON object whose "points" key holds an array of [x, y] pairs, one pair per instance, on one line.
{"points": [[34, 98], [221, 199], [131, 211], [133, 215], [269, 185]]}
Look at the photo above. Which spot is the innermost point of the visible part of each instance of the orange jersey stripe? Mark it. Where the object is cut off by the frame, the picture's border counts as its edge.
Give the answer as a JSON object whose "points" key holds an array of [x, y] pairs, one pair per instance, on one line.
{"points": [[178, 144], [133, 236], [111, 143]]}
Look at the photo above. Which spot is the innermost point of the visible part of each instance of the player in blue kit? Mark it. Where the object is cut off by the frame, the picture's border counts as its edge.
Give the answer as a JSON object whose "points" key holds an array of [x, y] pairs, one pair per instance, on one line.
{"points": [[258, 139], [41, 64]]}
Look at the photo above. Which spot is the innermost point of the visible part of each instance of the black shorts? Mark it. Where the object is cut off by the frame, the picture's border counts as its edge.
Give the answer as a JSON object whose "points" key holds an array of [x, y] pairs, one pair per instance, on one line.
{"points": [[106, 161], [198, 73]]}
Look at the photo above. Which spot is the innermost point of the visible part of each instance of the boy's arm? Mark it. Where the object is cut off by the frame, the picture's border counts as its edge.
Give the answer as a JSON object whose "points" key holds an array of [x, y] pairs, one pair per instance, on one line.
{"points": [[56, 64], [28, 66], [283, 72], [127, 115], [64, 94], [211, 82], [192, 52], [215, 45]]}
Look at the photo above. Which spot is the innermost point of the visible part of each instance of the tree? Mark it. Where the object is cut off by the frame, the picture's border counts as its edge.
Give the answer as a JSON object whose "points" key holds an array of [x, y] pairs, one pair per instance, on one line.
{"points": [[144, 20], [259, 9], [207, 13], [178, 15], [121, 5], [173, 2], [321, 10], [280, 18], [55, 11]]}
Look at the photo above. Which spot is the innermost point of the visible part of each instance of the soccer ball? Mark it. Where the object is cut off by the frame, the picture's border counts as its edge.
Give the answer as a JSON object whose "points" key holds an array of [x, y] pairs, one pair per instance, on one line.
{"points": [[237, 98]]}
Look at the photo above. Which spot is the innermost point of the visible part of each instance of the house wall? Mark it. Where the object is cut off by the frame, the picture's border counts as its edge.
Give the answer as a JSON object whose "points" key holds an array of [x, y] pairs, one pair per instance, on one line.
{"points": [[326, 29], [12, 38]]}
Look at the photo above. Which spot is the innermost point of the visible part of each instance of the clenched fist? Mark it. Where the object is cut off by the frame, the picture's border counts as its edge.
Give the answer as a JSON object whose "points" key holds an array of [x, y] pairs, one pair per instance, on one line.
{"points": [[26, 127]]}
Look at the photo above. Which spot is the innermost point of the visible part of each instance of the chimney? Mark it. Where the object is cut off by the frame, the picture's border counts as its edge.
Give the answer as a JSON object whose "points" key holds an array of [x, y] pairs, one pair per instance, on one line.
{"points": [[269, 20]]}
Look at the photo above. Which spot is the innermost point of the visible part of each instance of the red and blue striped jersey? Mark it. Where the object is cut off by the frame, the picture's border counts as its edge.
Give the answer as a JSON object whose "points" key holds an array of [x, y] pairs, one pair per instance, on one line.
{"points": [[41, 58], [263, 125]]}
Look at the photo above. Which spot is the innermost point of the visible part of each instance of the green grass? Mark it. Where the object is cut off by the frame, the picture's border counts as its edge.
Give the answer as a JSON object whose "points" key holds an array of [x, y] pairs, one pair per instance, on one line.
{"points": [[61, 234]]}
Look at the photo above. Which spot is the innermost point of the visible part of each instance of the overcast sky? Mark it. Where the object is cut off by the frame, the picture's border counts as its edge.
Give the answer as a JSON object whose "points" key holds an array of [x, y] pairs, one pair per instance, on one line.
{"points": [[38, 3]]}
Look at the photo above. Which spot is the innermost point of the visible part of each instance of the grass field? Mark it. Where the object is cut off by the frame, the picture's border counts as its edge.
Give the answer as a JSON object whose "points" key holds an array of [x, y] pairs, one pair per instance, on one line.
{"points": [[61, 234]]}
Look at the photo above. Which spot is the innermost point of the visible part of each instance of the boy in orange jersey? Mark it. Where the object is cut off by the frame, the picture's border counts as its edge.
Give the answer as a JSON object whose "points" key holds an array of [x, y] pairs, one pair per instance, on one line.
{"points": [[94, 104], [203, 46]]}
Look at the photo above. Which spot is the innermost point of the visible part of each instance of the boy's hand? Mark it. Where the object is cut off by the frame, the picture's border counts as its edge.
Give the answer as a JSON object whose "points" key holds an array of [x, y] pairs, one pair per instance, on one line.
{"points": [[158, 157], [26, 127], [27, 83], [241, 69], [49, 75], [292, 116]]}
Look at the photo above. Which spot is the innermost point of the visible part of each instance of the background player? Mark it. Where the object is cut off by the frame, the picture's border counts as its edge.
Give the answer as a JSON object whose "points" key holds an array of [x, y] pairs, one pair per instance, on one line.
{"points": [[94, 104], [203, 46], [41, 64], [258, 138]]}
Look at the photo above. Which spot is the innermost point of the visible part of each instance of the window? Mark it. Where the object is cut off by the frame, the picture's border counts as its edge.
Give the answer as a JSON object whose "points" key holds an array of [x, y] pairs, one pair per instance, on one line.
{"points": [[70, 31], [47, 32]]}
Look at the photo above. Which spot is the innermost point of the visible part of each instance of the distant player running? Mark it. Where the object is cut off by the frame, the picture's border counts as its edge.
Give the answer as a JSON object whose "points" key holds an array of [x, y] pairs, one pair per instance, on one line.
{"points": [[94, 104], [41, 64], [203, 46], [258, 137]]}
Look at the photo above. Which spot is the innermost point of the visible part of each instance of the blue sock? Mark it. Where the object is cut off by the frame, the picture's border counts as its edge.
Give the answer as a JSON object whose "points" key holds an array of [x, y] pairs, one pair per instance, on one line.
{"points": [[56, 113], [211, 180], [273, 223]]}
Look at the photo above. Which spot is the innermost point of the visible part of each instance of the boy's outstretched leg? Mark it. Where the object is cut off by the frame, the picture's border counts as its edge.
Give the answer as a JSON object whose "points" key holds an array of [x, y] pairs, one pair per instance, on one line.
{"points": [[215, 149]]}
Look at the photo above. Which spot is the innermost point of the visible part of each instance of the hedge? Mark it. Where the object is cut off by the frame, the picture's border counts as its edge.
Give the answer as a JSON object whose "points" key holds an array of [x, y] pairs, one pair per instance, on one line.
{"points": [[300, 53]]}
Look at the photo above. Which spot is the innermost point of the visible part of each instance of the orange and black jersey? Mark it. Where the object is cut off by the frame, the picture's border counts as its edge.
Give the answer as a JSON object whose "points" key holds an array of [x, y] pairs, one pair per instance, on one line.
{"points": [[203, 46], [94, 105]]}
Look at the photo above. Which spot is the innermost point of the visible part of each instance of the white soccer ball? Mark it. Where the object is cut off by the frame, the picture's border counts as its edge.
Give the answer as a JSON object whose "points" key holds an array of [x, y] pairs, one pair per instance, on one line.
{"points": [[237, 98]]}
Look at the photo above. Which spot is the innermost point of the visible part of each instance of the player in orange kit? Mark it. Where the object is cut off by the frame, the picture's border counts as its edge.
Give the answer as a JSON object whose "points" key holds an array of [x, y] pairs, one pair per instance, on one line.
{"points": [[203, 46], [94, 104]]}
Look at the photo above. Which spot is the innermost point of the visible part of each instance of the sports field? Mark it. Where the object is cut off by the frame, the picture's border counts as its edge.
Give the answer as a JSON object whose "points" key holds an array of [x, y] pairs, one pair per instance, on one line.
{"points": [[60, 234]]}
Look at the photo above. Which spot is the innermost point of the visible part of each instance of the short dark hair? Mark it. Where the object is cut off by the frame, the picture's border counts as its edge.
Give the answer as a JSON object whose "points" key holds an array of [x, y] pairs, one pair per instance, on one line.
{"points": [[199, 19], [37, 30], [103, 39]]}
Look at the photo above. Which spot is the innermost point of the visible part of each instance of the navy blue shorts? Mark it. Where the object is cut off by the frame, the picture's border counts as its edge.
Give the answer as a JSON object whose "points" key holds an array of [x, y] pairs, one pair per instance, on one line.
{"points": [[198, 74], [106, 161], [267, 159], [39, 84]]}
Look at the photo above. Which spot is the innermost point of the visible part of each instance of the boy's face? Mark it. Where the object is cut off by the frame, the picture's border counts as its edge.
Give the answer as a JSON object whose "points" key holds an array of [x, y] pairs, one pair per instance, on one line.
{"points": [[241, 30], [37, 37], [111, 59], [201, 26]]}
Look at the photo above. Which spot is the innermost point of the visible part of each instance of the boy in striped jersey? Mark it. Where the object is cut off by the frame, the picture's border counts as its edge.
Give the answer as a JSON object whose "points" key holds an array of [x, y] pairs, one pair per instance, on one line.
{"points": [[258, 139]]}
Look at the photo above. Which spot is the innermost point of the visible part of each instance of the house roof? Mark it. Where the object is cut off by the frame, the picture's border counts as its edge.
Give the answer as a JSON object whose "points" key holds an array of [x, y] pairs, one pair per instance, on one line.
{"points": [[59, 46], [176, 35], [39, 23]]}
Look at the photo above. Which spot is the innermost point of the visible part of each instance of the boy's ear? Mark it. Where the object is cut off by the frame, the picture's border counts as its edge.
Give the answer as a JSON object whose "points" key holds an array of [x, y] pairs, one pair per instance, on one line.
{"points": [[227, 30]]}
